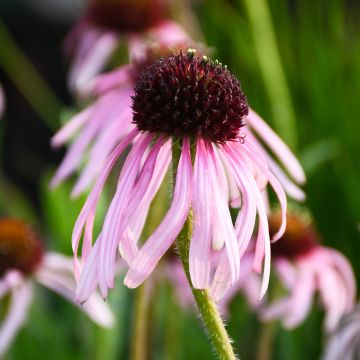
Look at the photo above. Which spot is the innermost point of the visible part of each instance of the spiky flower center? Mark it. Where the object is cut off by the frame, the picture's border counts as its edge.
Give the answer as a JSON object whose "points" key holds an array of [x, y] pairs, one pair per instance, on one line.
{"points": [[300, 236], [184, 94], [20, 248], [126, 15]]}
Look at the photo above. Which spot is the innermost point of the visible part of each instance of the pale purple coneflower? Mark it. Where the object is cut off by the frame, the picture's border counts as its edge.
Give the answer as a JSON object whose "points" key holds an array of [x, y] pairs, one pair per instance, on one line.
{"points": [[344, 342], [105, 24], [23, 262], [304, 267], [194, 105]]}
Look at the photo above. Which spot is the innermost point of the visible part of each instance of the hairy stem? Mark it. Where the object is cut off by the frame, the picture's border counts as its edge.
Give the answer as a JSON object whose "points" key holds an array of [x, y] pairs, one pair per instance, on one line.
{"points": [[207, 307]]}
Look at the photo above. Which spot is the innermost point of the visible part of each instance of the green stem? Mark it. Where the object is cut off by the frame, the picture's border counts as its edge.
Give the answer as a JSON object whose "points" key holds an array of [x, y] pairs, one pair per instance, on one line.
{"points": [[28, 80], [266, 341], [207, 307], [139, 336], [269, 60]]}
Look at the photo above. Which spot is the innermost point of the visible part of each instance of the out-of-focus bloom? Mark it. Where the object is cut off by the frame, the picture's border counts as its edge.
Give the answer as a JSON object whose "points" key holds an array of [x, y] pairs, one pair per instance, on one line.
{"points": [[196, 105], [107, 22], [344, 341], [23, 262], [108, 120], [304, 266]]}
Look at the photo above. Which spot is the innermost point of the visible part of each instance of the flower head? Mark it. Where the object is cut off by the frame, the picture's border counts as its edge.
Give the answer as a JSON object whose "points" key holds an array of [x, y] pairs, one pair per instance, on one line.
{"points": [[185, 95], [23, 261], [126, 16], [107, 22], [196, 108], [304, 267]]}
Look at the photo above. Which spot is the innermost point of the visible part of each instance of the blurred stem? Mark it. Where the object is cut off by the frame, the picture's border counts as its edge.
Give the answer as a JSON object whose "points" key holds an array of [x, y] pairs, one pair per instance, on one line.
{"points": [[139, 336], [207, 307], [28, 80], [269, 60], [266, 341]]}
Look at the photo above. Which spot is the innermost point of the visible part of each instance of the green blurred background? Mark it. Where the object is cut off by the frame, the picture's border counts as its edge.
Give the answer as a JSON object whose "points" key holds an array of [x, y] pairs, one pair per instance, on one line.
{"points": [[299, 65]]}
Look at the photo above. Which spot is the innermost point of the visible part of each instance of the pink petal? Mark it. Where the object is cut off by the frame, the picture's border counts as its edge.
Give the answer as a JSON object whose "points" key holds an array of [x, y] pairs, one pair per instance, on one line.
{"points": [[89, 207], [160, 241], [112, 229], [114, 79], [277, 146], [63, 283], [223, 229], [263, 240], [200, 245], [93, 62], [71, 127], [21, 297], [276, 186]]}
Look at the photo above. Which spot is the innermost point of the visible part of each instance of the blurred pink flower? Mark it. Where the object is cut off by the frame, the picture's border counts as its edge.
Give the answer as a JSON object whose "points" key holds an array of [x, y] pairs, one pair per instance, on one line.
{"points": [[22, 263], [105, 24], [179, 100], [344, 342], [303, 267]]}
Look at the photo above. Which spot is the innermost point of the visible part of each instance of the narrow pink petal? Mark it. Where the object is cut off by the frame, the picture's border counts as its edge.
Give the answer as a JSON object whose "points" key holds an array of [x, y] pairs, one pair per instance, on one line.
{"points": [[301, 298], [286, 272], [94, 61], [263, 240], [343, 266], [101, 113], [71, 127], [222, 222], [89, 207], [63, 283], [160, 241], [332, 291], [101, 149], [290, 188], [113, 224], [275, 185], [89, 278], [277, 146], [200, 245], [114, 79], [21, 297]]}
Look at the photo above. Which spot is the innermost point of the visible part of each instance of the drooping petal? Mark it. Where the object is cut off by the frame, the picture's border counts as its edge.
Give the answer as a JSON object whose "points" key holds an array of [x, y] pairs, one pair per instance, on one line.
{"points": [[263, 240], [223, 229], [112, 228], [62, 282], [160, 241], [86, 67], [21, 297], [114, 79], [276, 186], [89, 207], [200, 245], [279, 148]]}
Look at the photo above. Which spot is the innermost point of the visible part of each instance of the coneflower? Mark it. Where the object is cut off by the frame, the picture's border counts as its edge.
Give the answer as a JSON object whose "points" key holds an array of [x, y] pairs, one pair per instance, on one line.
{"points": [[105, 24], [305, 266], [23, 262], [192, 111]]}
